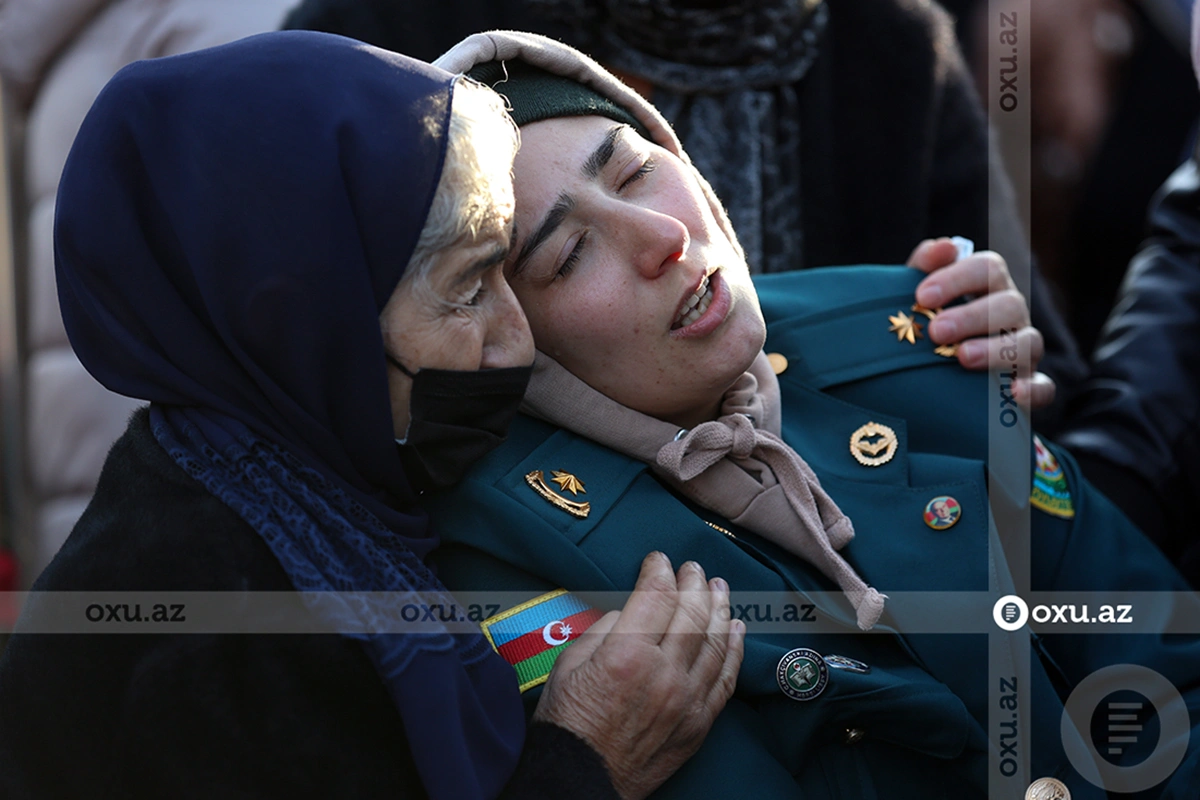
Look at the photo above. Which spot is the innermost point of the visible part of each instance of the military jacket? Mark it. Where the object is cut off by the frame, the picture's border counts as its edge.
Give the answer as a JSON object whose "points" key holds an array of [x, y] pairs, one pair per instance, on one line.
{"points": [[916, 714]]}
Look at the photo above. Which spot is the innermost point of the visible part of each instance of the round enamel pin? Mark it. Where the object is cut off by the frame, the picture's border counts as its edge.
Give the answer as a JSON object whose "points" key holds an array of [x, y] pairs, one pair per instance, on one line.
{"points": [[802, 674], [942, 512]]}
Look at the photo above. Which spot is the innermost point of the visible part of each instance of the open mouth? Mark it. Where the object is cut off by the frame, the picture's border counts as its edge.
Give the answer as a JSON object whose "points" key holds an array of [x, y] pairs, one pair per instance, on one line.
{"points": [[695, 306]]}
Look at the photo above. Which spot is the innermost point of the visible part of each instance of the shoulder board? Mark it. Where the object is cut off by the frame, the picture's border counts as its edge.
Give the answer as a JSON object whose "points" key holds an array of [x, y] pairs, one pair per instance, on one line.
{"points": [[843, 324], [534, 634]]}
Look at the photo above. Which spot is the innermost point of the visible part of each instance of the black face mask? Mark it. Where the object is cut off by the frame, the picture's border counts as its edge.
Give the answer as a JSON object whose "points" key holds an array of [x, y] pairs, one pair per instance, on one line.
{"points": [[455, 419]]}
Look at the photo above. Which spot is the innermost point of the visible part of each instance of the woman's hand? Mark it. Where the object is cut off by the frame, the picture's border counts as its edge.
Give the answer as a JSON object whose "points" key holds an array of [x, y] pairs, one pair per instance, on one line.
{"points": [[643, 685], [978, 324]]}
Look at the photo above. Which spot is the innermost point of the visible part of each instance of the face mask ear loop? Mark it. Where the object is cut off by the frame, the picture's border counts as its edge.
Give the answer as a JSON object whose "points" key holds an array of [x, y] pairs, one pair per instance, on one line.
{"points": [[412, 376], [395, 363]]}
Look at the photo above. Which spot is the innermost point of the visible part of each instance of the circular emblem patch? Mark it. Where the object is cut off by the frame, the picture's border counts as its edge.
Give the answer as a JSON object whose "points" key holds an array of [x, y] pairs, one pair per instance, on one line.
{"points": [[1047, 789], [802, 674], [942, 512]]}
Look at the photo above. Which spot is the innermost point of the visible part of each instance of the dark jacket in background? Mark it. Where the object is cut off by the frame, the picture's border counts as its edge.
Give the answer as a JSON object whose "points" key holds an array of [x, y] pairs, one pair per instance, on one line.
{"points": [[1135, 426]]}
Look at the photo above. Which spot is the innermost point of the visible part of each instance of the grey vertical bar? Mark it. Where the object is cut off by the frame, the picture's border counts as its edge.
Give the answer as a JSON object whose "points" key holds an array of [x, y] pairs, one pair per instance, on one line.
{"points": [[1009, 433], [14, 510]]}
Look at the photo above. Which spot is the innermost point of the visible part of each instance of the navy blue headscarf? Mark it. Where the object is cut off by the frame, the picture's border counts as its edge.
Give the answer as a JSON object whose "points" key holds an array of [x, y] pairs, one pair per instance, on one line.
{"points": [[230, 224]]}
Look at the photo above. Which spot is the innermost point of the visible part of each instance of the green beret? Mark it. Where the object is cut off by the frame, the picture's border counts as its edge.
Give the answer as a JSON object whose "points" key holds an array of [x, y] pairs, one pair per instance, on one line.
{"points": [[534, 94]]}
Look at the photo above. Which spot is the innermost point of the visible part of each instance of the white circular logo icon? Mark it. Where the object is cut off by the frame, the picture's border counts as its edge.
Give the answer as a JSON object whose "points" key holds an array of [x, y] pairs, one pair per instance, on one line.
{"points": [[1083, 753], [1010, 612]]}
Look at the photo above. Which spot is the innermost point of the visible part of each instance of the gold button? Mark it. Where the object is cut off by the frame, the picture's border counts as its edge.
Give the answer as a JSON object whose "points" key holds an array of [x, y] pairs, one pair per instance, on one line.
{"points": [[1047, 789], [778, 362], [854, 735]]}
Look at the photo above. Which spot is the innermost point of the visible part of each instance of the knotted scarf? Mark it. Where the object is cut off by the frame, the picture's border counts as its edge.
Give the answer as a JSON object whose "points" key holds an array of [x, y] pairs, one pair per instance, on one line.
{"points": [[735, 465]]}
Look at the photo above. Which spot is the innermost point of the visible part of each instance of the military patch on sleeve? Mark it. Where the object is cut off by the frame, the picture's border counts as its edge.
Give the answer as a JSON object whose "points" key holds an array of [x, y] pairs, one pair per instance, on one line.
{"points": [[533, 635], [1050, 492]]}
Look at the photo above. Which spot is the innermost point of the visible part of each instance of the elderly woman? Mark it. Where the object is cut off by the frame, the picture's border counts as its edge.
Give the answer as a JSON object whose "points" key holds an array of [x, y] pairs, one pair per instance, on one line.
{"points": [[291, 246], [856, 459]]}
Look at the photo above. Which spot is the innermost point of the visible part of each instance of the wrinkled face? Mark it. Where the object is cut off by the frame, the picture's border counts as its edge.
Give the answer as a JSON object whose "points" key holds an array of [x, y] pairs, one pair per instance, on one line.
{"points": [[466, 318], [941, 510], [626, 277]]}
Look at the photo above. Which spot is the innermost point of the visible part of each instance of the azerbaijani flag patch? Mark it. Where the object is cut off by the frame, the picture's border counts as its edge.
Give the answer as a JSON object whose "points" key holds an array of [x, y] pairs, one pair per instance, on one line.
{"points": [[1050, 492], [531, 636]]}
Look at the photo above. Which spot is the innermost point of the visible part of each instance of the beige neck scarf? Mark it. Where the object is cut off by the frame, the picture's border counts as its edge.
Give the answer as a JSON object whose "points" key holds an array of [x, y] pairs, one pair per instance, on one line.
{"points": [[735, 465]]}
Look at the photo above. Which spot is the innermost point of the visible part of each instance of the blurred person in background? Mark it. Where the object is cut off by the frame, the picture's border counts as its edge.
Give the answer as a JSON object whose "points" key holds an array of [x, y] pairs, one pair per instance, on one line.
{"points": [[1136, 425], [1113, 104], [55, 57]]}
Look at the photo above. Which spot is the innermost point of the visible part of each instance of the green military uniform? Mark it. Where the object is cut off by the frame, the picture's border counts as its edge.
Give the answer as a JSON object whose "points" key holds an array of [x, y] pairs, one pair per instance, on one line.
{"points": [[915, 724]]}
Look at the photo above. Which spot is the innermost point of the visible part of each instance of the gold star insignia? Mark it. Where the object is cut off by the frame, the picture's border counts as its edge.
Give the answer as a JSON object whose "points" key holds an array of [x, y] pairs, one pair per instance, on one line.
{"points": [[567, 482], [537, 482], [905, 327], [945, 350]]}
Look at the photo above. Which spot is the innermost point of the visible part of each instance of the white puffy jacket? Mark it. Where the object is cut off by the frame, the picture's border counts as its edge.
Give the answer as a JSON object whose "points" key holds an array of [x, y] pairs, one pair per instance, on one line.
{"points": [[55, 56]]}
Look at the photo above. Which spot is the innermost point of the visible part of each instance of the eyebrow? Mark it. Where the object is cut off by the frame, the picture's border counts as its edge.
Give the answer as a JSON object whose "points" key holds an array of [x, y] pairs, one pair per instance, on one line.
{"points": [[483, 264], [592, 167], [554, 217], [604, 153]]}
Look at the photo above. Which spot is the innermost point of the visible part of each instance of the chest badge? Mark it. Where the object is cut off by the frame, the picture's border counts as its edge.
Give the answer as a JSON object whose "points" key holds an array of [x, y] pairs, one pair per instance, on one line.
{"points": [[566, 483], [942, 512], [1050, 492], [873, 444], [906, 328], [802, 674], [944, 350], [1047, 789]]}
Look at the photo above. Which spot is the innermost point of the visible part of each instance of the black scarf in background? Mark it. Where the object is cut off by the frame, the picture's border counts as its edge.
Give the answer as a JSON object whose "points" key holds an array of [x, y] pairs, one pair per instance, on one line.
{"points": [[724, 74]]}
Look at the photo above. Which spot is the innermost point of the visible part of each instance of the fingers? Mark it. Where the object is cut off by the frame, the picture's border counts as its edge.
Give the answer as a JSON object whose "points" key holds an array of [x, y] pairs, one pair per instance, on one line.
{"points": [[726, 681], [715, 644], [982, 273], [1021, 352], [1036, 391], [933, 254], [651, 607], [685, 635], [992, 313]]}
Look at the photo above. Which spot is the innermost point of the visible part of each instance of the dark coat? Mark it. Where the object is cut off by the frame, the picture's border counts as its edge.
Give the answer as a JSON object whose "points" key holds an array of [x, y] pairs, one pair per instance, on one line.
{"points": [[205, 715], [1135, 426]]}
